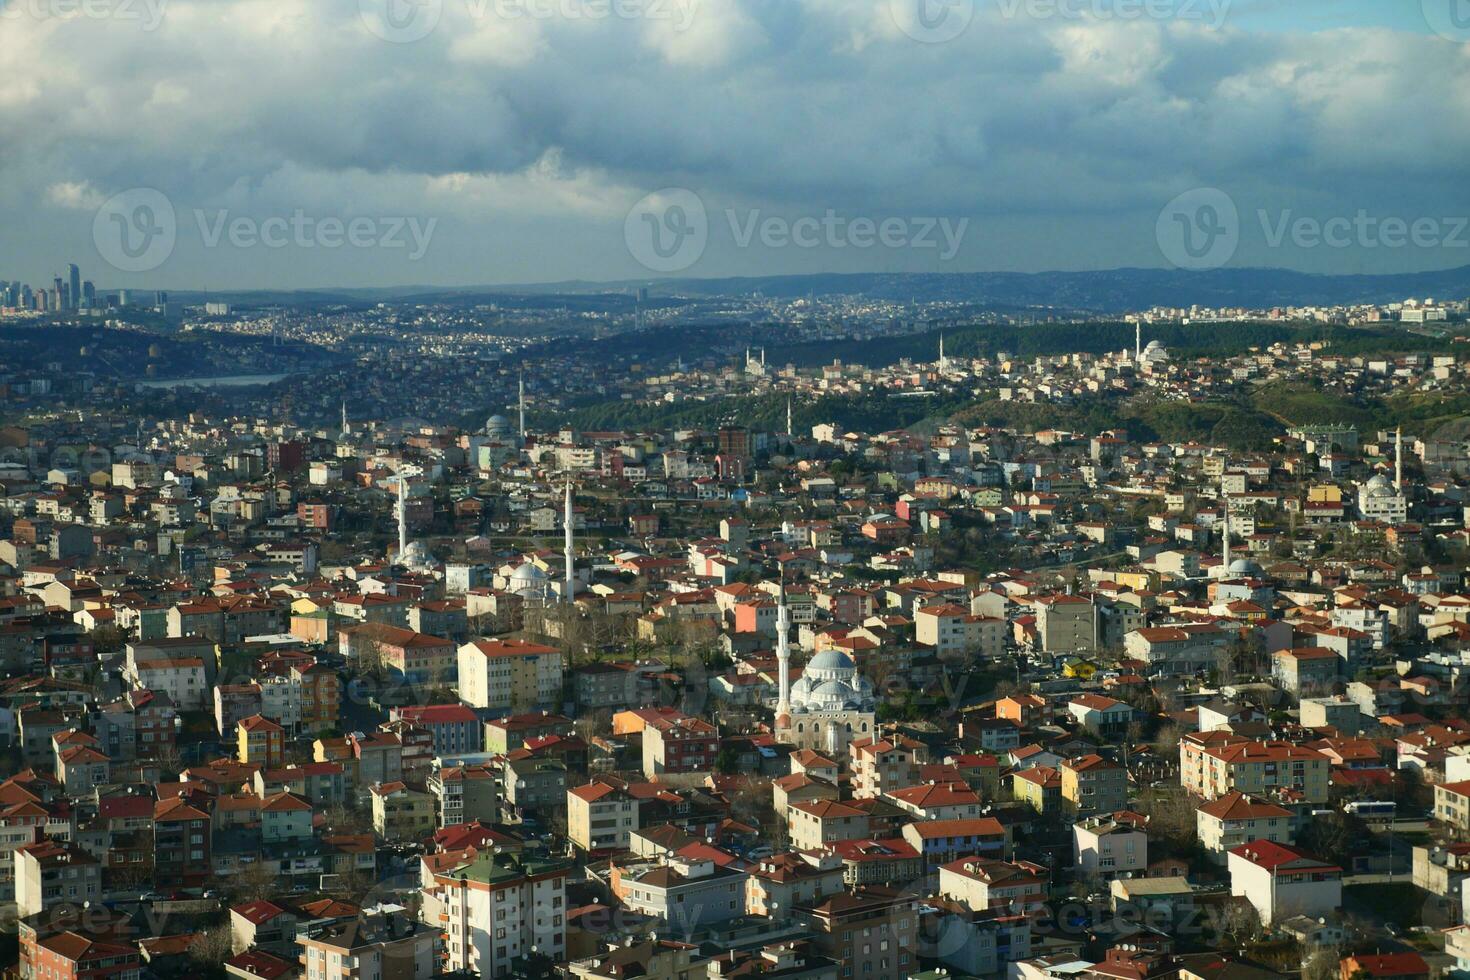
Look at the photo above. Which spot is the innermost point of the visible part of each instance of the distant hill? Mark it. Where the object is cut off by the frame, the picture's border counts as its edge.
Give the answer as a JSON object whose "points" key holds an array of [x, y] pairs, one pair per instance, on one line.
{"points": [[1111, 291], [1103, 292]]}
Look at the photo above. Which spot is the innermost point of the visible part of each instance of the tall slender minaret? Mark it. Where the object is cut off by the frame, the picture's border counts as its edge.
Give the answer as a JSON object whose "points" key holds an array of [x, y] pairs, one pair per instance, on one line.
{"points": [[1138, 342], [522, 403], [790, 430], [346, 425], [783, 662], [942, 364], [570, 555], [1398, 460], [402, 516]]}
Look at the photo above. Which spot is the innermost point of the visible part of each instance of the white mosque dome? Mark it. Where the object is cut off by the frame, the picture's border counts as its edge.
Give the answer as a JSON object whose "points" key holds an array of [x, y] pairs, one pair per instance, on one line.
{"points": [[1379, 486], [1155, 353], [830, 682], [528, 581], [417, 556], [497, 425], [831, 662], [1242, 567]]}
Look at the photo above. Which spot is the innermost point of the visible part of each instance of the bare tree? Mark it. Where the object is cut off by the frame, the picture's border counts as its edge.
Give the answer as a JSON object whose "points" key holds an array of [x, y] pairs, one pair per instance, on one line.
{"points": [[1324, 964], [212, 947]]}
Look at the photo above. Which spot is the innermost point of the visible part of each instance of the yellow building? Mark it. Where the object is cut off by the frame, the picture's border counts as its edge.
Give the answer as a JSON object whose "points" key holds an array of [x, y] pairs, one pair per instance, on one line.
{"points": [[402, 813], [1260, 769], [1079, 668], [260, 740], [1040, 787]]}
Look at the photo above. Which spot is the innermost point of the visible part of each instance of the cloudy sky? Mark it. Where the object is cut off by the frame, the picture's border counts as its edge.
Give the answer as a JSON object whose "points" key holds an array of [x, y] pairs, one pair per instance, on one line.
{"points": [[299, 143]]}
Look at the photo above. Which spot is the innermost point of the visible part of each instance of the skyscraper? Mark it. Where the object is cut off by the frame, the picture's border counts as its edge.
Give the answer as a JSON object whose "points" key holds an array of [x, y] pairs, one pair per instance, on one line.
{"points": [[75, 282]]}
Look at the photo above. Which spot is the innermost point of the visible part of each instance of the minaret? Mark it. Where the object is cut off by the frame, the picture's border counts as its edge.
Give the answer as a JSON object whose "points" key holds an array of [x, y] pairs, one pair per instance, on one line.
{"points": [[783, 663], [402, 516], [1138, 342], [942, 364], [523, 405], [763, 358], [346, 425], [1398, 460], [790, 430], [570, 556]]}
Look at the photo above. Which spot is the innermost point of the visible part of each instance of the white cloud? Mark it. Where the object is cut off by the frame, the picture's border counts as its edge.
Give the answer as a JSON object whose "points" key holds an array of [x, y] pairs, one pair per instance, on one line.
{"points": [[75, 195], [800, 105]]}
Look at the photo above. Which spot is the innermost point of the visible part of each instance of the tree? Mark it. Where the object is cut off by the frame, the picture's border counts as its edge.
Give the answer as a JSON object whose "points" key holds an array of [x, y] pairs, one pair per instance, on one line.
{"points": [[209, 949], [1335, 836], [254, 882], [1323, 964]]}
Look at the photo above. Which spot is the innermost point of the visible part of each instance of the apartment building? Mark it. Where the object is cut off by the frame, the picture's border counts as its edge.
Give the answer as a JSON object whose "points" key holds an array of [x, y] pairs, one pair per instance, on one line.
{"points": [[1093, 785], [381, 946], [497, 908], [509, 675]]}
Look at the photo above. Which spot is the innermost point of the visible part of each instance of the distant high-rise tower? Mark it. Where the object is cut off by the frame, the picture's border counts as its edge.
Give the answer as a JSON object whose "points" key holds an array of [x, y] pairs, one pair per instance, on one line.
{"points": [[75, 283]]}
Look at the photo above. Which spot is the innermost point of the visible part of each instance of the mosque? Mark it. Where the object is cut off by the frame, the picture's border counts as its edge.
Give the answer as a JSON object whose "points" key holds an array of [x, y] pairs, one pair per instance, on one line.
{"points": [[414, 556], [829, 706], [1382, 500]]}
